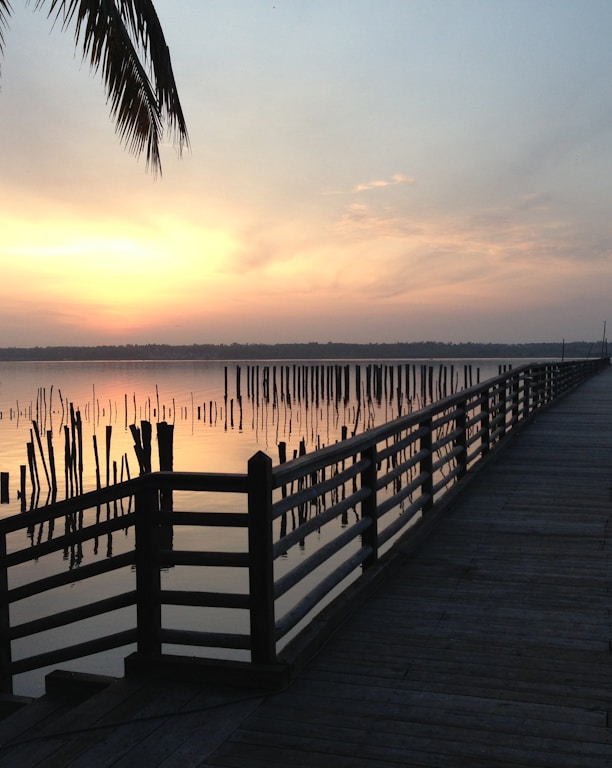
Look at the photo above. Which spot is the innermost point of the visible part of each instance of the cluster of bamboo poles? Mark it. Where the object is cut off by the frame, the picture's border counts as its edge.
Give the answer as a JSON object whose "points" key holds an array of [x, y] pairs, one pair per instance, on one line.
{"points": [[73, 461], [312, 383]]}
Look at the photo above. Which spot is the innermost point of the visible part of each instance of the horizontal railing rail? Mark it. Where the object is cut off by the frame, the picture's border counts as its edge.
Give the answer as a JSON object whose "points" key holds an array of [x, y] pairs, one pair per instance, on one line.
{"points": [[296, 535]]}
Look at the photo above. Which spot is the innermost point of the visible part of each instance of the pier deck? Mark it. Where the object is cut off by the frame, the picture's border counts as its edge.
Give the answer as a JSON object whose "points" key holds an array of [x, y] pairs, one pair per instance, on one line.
{"points": [[490, 646]]}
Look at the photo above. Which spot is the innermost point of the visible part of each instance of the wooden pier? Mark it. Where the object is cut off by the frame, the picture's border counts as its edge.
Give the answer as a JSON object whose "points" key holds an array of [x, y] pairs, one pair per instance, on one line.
{"points": [[486, 643]]}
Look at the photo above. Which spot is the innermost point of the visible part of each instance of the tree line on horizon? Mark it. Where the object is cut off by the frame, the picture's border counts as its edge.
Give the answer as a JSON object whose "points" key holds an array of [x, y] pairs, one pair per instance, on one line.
{"points": [[309, 351]]}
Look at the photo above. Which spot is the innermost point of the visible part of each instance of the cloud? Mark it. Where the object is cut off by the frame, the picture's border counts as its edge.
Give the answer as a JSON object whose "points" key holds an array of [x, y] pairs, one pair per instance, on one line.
{"points": [[397, 178]]}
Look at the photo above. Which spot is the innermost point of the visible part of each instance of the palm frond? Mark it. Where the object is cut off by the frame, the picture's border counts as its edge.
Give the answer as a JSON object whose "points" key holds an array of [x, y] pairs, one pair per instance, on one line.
{"points": [[125, 42], [5, 12]]}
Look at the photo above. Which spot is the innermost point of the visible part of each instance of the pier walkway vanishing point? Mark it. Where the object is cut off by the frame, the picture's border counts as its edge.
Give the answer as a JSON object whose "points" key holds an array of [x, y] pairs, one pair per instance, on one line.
{"points": [[489, 644]]}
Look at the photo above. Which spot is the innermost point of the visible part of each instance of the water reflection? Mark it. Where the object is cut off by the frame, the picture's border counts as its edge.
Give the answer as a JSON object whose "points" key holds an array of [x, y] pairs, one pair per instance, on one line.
{"points": [[81, 431]]}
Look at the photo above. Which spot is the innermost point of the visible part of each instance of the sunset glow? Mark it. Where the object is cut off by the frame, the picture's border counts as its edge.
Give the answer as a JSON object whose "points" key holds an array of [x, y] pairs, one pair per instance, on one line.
{"points": [[359, 171]]}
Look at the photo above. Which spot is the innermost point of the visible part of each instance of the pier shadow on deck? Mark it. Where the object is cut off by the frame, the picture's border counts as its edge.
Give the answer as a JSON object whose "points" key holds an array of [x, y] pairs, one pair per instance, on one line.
{"points": [[489, 646]]}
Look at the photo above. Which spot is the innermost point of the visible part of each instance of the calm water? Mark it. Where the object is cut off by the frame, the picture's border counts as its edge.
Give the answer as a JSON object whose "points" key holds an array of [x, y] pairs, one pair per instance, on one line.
{"points": [[222, 414]]}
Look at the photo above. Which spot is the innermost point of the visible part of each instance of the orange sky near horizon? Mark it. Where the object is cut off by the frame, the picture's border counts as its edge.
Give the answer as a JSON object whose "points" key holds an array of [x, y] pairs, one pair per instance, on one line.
{"points": [[359, 172]]}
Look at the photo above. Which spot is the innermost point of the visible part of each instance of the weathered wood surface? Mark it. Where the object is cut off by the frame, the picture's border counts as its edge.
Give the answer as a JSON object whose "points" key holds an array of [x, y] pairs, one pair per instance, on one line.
{"points": [[489, 648]]}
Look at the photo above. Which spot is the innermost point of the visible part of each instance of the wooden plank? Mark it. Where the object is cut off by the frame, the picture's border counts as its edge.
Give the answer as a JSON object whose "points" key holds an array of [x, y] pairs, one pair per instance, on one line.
{"points": [[195, 731]]}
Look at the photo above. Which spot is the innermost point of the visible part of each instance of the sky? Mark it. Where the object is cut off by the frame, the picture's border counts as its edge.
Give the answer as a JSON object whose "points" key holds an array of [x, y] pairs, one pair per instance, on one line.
{"points": [[359, 171]]}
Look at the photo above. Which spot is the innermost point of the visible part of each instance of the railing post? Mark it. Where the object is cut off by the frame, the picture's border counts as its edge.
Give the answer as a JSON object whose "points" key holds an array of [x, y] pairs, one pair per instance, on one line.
{"points": [[6, 677], [148, 578], [485, 423], [261, 560], [549, 394], [426, 463], [502, 410], [527, 379], [540, 388], [515, 400], [462, 439], [369, 506]]}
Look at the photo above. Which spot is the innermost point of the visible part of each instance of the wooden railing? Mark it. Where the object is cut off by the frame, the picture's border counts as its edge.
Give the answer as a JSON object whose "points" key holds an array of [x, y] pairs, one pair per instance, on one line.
{"points": [[299, 532]]}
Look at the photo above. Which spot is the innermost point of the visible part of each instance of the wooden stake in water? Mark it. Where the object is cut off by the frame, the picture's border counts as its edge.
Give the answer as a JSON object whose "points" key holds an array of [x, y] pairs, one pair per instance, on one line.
{"points": [[97, 462], [142, 445], [4, 487], [52, 462], [40, 449], [109, 432], [22, 486]]}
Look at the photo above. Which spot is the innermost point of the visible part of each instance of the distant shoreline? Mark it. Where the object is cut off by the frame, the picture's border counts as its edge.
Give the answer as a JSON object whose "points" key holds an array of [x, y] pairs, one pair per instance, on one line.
{"points": [[306, 351]]}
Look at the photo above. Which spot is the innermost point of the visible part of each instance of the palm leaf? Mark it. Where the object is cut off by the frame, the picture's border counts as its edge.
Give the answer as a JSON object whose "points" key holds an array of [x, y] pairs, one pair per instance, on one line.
{"points": [[124, 41], [5, 12]]}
